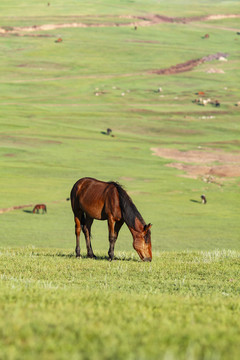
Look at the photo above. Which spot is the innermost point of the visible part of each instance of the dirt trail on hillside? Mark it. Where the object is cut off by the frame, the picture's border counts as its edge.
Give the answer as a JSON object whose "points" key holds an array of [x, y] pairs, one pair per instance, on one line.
{"points": [[148, 20], [204, 162], [4, 210], [188, 65]]}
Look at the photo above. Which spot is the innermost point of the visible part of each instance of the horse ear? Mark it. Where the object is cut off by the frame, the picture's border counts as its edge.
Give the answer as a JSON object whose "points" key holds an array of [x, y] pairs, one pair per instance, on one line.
{"points": [[147, 227]]}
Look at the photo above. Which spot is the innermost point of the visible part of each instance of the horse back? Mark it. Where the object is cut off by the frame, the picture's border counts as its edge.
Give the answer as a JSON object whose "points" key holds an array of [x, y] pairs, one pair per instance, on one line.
{"points": [[97, 199]]}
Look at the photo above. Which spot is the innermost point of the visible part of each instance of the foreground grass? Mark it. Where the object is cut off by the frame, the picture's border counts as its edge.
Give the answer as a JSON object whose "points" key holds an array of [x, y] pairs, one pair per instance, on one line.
{"points": [[182, 305]]}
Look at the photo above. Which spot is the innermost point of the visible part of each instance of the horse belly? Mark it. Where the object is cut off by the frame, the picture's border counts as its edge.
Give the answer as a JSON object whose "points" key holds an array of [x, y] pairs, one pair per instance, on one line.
{"points": [[94, 209]]}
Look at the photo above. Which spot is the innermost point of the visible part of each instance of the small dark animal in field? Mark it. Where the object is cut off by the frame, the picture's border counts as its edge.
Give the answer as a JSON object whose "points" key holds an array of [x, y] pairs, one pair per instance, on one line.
{"points": [[58, 40], [206, 36], [38, 207], [204, 200], [135, 27], [108, 132], [217, 103], [48, 4], [93, 199]]}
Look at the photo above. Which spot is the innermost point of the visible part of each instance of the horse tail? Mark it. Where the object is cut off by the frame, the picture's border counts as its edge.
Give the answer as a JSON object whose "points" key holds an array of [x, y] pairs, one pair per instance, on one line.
{"points": [[83, 220]]}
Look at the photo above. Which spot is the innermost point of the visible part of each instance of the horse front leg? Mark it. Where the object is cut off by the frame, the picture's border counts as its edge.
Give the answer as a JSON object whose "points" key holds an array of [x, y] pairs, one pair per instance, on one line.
{"points": [[77, 233], [114, 228]]}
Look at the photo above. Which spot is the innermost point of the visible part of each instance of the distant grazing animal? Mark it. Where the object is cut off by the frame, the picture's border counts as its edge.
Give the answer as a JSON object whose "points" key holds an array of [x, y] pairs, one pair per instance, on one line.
{"points": [[109, 131], [217, 103], [201, 101], [58, 40], [135, 27], [206, 36], [93, 199], [204, 200], [38, 207]]}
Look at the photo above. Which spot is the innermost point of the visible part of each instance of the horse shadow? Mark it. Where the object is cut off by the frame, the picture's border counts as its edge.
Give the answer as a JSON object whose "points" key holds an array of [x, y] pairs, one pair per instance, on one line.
{"points": [[195, 201], [28, 211], [98, 258]]}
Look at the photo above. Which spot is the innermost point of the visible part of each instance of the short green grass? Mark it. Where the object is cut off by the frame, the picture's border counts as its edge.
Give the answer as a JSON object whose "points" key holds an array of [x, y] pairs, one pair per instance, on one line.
{"points": [[185, 304]]}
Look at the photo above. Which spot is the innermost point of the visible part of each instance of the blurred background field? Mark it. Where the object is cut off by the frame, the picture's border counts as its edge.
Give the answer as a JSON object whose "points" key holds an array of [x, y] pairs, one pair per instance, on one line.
{"points": [[57, 100]]}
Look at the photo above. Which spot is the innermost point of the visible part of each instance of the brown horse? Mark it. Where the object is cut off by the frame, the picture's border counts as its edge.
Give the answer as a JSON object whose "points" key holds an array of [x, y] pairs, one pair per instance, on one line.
{"points": [[38, 207], [93, 199]]}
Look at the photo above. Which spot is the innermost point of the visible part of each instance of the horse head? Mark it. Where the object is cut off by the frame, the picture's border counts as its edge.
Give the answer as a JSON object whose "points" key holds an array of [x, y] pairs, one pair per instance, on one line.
{"points": [[142, 243]]}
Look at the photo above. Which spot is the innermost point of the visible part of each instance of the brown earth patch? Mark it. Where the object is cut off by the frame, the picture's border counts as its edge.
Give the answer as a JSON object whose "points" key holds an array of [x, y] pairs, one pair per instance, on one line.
{"points": [[9, 155], [148, 20], [144, 41], [194, 171], [179, 68], [197, 156], [4, 210], [18, 207], [125, 178], [188, 65], [205, 161]]}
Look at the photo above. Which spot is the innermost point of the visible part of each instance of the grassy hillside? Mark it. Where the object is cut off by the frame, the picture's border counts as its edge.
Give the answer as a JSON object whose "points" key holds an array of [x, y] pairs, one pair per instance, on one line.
{"points": [[57, 99]]}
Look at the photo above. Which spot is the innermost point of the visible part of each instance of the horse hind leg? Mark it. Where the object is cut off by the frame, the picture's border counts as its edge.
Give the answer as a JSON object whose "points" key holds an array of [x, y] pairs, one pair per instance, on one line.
{"points": [[78, 225], [87, 232]]}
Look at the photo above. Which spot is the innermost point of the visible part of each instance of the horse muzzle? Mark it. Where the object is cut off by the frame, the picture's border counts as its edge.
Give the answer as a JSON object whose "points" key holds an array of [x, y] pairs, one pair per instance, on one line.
{"points": [[147, 259]]}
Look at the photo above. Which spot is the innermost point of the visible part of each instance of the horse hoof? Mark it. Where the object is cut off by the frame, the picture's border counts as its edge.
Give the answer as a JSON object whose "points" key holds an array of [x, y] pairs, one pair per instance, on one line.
{"points": [[92, 256]]}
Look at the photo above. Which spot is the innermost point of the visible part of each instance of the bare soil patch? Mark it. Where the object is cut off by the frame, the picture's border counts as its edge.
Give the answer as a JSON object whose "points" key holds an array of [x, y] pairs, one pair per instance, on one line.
{"points": [[4, 210], [202, 162], [189, 65], [179, 68], [125, 178], [148, 20]]}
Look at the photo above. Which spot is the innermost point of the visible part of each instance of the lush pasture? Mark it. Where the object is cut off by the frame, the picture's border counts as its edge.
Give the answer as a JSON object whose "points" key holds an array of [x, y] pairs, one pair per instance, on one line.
{"points": [[183, 305], [57, 100]]}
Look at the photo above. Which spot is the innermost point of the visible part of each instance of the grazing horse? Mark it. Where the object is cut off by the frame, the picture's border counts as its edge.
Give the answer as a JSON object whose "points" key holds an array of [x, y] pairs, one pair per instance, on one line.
{"points": [[93, 199], [38, 207], [204, 200]]}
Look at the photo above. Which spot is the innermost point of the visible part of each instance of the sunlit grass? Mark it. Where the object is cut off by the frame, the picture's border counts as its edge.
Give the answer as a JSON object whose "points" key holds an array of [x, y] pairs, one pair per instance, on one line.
{"points": [[55, 303]]}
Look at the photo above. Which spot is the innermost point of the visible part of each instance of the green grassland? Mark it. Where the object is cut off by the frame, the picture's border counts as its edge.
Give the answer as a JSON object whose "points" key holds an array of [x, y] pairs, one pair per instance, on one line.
{"points": [[183, 305], [57, 100]]}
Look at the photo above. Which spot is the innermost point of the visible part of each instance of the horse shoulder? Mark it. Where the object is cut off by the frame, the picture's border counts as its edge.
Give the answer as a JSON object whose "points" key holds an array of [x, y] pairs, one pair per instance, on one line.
{"points": [[113, 204]]}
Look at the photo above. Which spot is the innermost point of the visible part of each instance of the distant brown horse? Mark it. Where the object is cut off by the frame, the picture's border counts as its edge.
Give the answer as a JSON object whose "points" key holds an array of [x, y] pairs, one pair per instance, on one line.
{"points": [[93, 199], [38, 207]]}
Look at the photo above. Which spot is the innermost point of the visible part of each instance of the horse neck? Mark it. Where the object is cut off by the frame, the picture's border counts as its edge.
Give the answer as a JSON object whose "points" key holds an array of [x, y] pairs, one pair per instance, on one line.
{"points": [[138, 227]]}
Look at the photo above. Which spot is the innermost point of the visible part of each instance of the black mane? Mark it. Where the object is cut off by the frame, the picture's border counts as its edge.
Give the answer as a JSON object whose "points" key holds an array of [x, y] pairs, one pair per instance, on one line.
{"points": [[129, 210]]}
